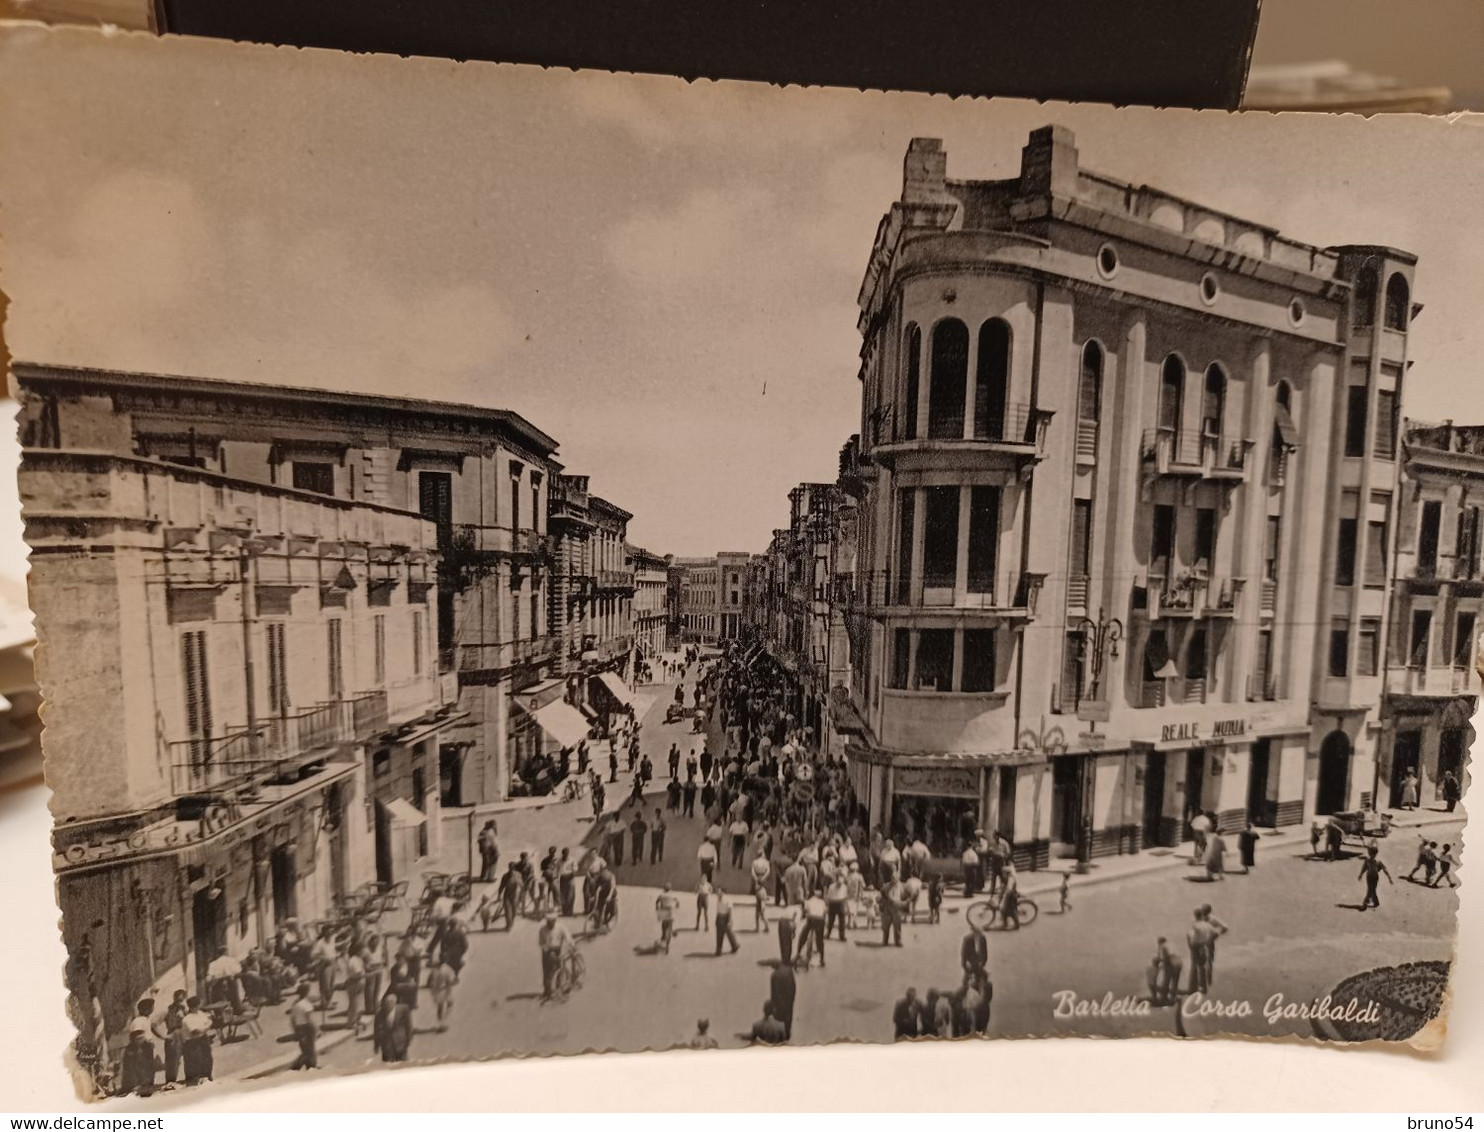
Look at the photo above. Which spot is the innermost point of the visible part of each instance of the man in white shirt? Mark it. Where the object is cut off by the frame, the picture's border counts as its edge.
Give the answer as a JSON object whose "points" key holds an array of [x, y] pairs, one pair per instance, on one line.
{"points": [[555, 941], [706, 858], [664, 907]]}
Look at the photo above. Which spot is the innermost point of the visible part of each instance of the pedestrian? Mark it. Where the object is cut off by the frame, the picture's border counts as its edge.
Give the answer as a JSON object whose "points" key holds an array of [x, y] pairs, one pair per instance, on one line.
{"points": [[567, 882], [706, 763], [674, 760], [665, 906], [1371, 871], [1064, 892], [815, 911], [657, 838], [195, 1044], [706, 859], [1427, 860], [1010, 898], [373, 947], [768, 1030], [322, 958], [703, 1038], [391, 1031], [613, 763], [301, 1018], [1447, 861], [690, 767], [688, 795], [454, 947], [137, 1062], [553, 941], [1200, 826], [892, 908], [672, 795], [704, 891], [837, 899], [615, 841], [739, 830], [1247, 847], [795, 882], [1164, 974], [355, 988], [1317, 831], [489, 853], [973, 952], [722, 908], [787, 927], [783, 987], [1452, 790], [1334, 840], [1409, 791], [637, 829], [167, 1027], [509, 894], [1201, 940], [440, 986], [904, 1016], [1215, 856]]}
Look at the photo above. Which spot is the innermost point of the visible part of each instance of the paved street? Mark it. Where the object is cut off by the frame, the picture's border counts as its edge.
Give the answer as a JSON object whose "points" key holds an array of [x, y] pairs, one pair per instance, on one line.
{"points": [[1292, 924]]}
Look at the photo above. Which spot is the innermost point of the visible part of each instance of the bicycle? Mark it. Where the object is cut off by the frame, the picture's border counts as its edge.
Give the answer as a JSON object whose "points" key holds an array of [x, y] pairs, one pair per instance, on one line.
{"points": [[601, 920], [573, 789], [982, 914], [569, 975]]}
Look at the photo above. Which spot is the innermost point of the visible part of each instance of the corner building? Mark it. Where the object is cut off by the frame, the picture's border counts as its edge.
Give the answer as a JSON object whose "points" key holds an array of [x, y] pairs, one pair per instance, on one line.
{"points": [[1119, 453]]}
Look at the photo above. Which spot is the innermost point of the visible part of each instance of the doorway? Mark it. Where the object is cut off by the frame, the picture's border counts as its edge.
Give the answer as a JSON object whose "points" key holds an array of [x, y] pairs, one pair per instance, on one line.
{"points": [[1334, 773], [1406, 757], [1066, 798], [1006, 818], [281, 866], [1260, 811], [1451, 746], [1195, 787], [383, 845], [209, 925], [1154, 797]]}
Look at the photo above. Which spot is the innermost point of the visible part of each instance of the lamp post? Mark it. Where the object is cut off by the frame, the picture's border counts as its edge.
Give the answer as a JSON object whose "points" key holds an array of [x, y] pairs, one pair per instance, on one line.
{"points": [[1100, 638]]}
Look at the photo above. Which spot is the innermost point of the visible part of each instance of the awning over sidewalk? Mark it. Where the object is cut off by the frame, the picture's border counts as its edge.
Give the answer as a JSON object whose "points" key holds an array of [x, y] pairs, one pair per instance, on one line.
{"points": [[403, 812], [562, 722], [617, 687]]}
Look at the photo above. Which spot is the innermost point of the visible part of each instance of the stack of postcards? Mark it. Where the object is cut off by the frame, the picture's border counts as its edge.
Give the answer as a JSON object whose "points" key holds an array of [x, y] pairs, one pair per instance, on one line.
{"points": [[1336, 88]]}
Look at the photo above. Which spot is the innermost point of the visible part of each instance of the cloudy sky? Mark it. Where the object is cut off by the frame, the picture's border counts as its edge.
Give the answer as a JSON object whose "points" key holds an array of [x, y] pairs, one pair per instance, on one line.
{"points": [[661, 275]]}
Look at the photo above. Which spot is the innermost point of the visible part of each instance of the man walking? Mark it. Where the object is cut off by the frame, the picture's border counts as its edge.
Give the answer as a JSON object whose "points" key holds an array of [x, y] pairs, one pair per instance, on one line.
{"points": [[301, 1018], [721, 908], [783, 989], [837, 895], [1371, 871], [489, 853], [892, 901], [973, 870], [657, 838], [664, 908], [1447, 862], [554, 941], [1452, 790], [637, 829], [391, 1032], [674, 760], [973, 953], [688, 795], [1247, 847]]}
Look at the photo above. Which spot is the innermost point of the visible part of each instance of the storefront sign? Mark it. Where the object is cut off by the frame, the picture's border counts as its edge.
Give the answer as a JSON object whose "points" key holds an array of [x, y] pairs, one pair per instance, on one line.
{"points": [[947, 782], [1220, 731], [1091, 739]]}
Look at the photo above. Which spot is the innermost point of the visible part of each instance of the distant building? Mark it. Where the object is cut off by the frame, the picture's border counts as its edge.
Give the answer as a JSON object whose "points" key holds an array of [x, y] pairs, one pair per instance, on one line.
{"points": [[651, 572], [731, 598], [700, 600], [1432, 682]]}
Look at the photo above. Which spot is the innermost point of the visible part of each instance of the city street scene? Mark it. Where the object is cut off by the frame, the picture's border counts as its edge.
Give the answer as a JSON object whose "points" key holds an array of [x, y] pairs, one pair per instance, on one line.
{"points": [[595, 564]]}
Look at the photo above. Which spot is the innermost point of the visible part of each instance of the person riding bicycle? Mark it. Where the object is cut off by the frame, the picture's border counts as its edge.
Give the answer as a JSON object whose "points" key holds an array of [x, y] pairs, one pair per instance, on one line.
{"points": [[555, 943], [605, 897], [1010, 899]]}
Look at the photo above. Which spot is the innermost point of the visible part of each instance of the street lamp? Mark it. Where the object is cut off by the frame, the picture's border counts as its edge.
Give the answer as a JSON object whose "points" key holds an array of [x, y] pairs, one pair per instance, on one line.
{"points": [[1101, 637]]}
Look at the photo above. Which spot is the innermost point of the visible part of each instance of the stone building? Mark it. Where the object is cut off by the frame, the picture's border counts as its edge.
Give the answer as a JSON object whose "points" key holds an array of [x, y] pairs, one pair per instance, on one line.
{"points": [[266, 661], [1432, 685], [481, 476], [731, 596], [700, 600], [1112, 446], [650, 575]]}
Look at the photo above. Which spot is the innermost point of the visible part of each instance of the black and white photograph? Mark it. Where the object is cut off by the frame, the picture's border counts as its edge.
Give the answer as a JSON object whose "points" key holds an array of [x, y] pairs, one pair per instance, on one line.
{"points": [[538, 562]]}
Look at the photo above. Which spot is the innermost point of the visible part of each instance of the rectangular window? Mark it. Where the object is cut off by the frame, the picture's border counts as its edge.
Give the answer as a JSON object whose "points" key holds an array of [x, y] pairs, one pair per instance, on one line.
{"points": [[1071, 671], [901, 655], [1262, 666], [1420, 642], [535, 500], [417, 642], [1466, 544], [1428, 537], [1375, 554], [1369, 660], [1339, 650], [314, 477], [515, 477], [336, 660], [1205, 538], [278, 689], [1355, 410], [535, 610], [940, 539], [1162, 548], [906, 528], [1270, 545], [1345, 553], [1463, 641], [984, 537], [934, 660], [1081, 563], [1385, 446], [435, 502], [197, 677], [979, 671], [378, 648]]}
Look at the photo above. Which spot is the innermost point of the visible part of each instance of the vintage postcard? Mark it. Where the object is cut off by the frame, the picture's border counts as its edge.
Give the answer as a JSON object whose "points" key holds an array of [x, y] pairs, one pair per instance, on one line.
{"points": [[534, 563]]}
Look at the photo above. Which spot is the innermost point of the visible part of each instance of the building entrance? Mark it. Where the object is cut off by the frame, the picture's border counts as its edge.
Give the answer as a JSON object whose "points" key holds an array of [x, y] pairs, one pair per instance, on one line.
{"points": [[209, 924], [1334, 773], [281, 868], [1195, 788], [1260, 810], [1154, 797], [1406, 758]]}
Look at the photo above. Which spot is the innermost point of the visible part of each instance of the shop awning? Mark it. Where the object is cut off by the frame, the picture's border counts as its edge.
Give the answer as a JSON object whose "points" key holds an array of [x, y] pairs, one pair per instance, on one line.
{"points": [[642, 704], [562, 722], [1287, 433], [615, 685], [403, 812]]}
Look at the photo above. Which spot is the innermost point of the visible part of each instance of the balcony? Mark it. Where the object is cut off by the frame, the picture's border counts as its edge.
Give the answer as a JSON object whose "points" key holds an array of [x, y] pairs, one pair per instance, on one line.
{"points": [[1180, 598], [1223, 595], [275, 748], [614, 580], [1193, 456], [480, 665], [1017, 434], [500, 542], [993, 597], [1438, 680]]}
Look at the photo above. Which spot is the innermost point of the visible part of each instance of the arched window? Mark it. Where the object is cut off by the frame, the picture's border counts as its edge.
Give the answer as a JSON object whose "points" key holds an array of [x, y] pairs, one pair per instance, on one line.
{"points": [[1171, 394], [1213, 402], [1090, 387], [1284, 394], [948, 380], [914, 380], [1364, 313], [1285, 435], [992, 379], [1398, 302]]}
